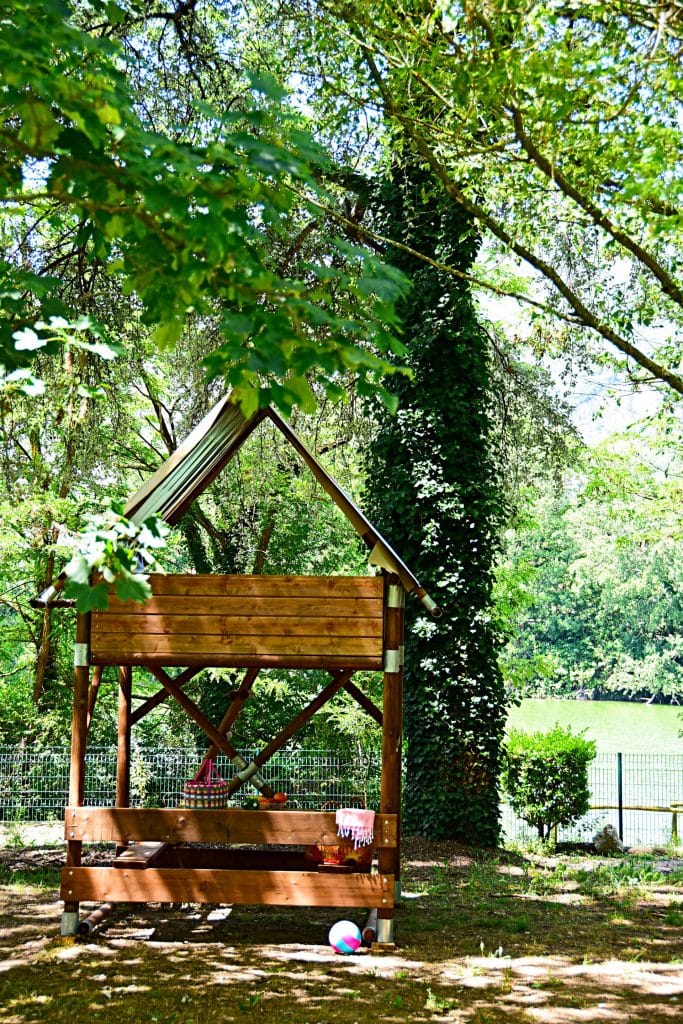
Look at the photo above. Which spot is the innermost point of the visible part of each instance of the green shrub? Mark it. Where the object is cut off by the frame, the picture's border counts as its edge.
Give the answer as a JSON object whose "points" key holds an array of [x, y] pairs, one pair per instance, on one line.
{"points": [[546, 777]]}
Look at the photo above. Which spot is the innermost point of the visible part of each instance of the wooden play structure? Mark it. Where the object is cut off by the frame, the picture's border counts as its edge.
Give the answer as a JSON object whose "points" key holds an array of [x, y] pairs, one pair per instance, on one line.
{"points": [[338, 624]]}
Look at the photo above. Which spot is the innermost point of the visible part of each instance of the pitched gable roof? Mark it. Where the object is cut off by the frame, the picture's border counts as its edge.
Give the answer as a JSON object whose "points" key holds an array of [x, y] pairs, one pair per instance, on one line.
{"points": [[196, 462]]}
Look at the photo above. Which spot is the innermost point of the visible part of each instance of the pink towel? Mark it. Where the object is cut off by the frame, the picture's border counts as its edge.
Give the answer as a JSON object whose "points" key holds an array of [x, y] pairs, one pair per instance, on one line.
{"points": [[356, 824]]}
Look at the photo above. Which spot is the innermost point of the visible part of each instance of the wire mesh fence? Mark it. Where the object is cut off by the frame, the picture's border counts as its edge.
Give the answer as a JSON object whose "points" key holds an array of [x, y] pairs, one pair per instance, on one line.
{"points": [[632, 792], [34, 783], [625, 789]]}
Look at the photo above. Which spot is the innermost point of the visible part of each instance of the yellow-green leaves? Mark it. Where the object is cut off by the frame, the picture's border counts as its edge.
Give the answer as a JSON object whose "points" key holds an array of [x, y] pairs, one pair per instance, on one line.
{"points": [[167, 334]]}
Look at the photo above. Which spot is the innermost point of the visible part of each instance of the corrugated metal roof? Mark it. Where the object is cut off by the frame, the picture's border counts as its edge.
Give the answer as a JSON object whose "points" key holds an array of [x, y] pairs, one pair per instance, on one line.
{"points": [[193, 465], [170, 491]]}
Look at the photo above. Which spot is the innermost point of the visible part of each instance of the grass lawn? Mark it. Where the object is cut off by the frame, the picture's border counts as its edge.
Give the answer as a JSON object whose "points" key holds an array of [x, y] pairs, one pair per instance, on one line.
{"points": [[483, 938]]}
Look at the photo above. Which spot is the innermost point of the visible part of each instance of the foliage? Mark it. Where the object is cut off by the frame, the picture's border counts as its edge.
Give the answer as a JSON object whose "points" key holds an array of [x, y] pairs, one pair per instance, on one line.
{"points": [[504, 102], [546, 777], [185, 227], [433, 488], [115, 549], [591, 583]]}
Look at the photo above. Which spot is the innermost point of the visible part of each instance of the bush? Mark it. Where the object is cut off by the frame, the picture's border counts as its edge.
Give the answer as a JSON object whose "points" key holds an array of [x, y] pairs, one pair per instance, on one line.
{"points": [[546, 777]]}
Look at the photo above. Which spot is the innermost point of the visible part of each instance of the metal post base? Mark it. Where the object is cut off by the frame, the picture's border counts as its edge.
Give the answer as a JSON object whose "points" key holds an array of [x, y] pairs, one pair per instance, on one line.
{"points": [[69, 922], [385, 930]]}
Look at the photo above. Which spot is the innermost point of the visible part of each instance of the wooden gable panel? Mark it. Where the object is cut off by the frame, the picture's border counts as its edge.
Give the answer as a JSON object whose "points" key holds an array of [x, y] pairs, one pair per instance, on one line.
{"points": [[293, 621]]}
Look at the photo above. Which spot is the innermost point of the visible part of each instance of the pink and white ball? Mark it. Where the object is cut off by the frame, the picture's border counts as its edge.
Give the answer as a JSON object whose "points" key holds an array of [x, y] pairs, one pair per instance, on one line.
{"points": [[344, 937]]}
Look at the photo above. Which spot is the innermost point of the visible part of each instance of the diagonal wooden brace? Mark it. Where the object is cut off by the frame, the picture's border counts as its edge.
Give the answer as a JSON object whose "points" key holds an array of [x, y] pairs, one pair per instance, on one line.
{"points": [[237, 702], [161, 695], [339, 680], [247, 772], [364, 702], [93, 690]]}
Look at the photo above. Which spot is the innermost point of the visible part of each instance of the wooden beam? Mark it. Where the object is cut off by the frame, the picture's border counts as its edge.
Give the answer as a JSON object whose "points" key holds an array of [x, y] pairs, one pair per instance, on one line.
{"points": [[161, 695], [93, 692], [79, 717], [178, 825], [315, 606], [364, 702], [213, 659], [255, 585], [392, 730], [202, 885], [195, 713], [79, 736], [304, 716], [130, 646], [194, 621]]}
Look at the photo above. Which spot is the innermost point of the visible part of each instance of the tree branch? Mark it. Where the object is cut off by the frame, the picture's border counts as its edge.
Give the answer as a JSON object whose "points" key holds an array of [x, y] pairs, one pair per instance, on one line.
{"points": [[584, 315]]}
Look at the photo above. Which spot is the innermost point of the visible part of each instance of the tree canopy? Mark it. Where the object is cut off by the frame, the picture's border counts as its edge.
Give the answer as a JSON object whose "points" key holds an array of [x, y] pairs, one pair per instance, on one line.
{"points": [[595, 576], [557, 127], [185, 223]]}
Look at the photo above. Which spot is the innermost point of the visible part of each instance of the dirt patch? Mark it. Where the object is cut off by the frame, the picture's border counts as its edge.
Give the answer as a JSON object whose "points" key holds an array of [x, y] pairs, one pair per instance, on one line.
{"points": [[484, 937]]}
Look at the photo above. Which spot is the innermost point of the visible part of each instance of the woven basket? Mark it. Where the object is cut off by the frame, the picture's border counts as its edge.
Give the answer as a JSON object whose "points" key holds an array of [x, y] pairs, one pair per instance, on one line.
{"points": [[206, 789]]}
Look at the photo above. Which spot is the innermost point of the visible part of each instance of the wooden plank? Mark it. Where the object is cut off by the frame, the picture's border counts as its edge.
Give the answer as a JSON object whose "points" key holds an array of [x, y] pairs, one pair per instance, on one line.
{"points": [[141, 643], [215, 660], [140, 855], [202, 885], [257, 585], [178, 825], [239, 625], [272, 607]]}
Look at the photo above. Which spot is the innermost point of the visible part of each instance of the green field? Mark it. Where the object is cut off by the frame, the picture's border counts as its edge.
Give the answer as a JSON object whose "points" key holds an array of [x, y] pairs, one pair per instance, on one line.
{"points": [[614, 725]]}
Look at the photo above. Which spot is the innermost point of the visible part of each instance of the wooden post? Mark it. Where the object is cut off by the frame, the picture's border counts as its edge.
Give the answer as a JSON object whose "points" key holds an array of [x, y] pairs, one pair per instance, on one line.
{"points": [[392, 732], [123, 737], [79, 731]]}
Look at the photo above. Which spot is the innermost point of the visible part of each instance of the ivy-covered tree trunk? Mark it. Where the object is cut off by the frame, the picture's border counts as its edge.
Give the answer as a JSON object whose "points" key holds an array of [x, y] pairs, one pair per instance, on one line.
{"points": [[433, 487]]}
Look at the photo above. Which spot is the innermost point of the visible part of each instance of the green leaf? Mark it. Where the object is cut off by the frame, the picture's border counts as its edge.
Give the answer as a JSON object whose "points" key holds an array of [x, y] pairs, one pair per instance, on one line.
{"points": [[39, 129], [132, 587], [167, 334], [78, 570], [88, 598], [266, 84], [28, 341]]}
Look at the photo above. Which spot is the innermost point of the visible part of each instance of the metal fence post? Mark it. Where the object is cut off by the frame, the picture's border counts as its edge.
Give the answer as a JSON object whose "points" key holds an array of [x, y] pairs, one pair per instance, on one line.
{"points": [[620, 794]]}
